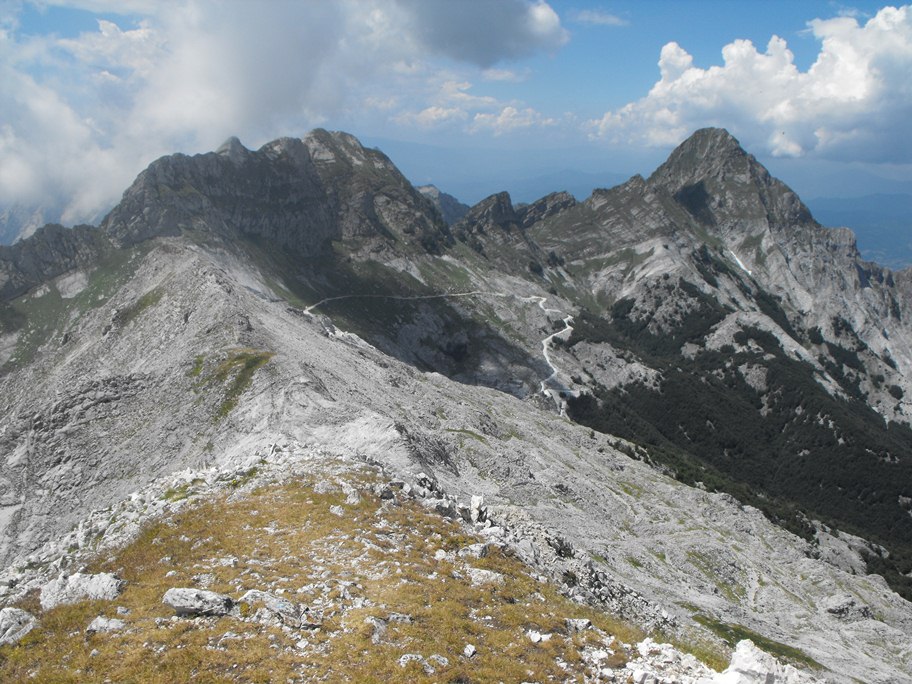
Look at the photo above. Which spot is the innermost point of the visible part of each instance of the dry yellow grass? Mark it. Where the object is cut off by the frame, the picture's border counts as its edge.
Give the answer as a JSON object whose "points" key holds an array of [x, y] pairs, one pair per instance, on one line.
{"points": [[375, 560]]}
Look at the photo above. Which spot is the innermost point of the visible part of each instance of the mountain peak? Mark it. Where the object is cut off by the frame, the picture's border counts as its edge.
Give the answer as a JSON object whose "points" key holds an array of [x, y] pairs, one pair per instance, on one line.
{"points": [[712, 136], [233, 149], [709, 152], [712, 164], [495, 211]]}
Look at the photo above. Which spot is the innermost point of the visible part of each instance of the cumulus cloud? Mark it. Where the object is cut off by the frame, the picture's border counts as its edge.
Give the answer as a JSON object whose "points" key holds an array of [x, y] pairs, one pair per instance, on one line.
{"points": [[81, 116], [855, 101]]}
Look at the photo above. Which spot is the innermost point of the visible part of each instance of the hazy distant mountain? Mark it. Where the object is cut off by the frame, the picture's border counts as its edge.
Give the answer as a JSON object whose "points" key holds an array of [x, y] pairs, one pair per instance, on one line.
{"points": [[449, 207], [18, 221], [524, 189]]}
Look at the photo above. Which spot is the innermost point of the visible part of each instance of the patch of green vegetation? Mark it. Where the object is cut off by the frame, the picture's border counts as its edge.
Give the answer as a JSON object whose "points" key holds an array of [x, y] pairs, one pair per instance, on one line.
{"points": [[627, 256], [285, 293], [40, 314], [731, 590], [630, 489], [11, 319], [733, 633], [243, 478], [136, 309], [197, 367], [444, 274], [178, 493], [237, 372], [111, 272], [700, 645], [635, 562]]}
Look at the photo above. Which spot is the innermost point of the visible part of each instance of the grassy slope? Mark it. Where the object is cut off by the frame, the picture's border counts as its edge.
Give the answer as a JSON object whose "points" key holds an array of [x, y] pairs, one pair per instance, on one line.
{"points": [[374, 560]]}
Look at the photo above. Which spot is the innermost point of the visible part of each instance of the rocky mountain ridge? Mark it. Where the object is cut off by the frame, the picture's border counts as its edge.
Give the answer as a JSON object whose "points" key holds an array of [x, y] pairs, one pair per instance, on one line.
{"points": [[200, 321]]}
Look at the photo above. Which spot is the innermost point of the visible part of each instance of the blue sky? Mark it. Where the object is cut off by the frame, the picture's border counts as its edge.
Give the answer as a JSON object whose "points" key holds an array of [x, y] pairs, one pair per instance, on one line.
{"points": [[474, 95]]}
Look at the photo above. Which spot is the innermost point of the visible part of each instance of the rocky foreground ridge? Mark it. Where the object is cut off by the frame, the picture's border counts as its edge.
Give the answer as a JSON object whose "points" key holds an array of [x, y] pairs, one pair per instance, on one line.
{"points": [[306, 294]]}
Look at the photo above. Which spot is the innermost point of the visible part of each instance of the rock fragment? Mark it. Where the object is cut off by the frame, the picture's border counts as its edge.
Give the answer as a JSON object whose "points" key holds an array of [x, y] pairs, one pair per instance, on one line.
{"points": [[847, 608], [478, 512], [287, 612], [15, 624], [103, 624], [80, 587], [187, 601], [479, 576], [750, 665], [475, 550], [577, 624]]}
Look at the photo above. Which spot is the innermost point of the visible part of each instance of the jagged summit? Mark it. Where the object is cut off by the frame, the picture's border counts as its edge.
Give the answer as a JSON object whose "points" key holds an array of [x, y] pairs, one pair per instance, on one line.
{"points": [[233, 149], [719, 183], [707, 153], [493, 213], [296, 193], [449, 207]]}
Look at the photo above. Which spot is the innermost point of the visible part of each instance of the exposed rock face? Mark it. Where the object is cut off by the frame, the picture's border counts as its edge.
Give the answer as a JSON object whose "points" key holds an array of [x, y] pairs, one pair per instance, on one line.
{"points": [[79, 587], [750, 665], [297, 194], [721, 185], [200, 351], [547, 206], [450, 208], [50, 252], [15, 624], [197, 602], [495, 212]]}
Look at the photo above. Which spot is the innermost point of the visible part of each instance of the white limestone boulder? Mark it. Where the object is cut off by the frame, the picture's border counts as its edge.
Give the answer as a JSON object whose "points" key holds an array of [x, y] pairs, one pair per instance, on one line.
{"points": [[15, 624], [188, 601], [81, 587]]}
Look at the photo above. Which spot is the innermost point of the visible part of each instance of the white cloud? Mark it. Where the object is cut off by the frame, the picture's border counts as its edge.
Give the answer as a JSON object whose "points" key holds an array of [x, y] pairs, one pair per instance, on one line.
{"points": [[598, 18], [80, 117], [136, 50], [451, 101], [510, 119], [854, 101], [434, 116]]}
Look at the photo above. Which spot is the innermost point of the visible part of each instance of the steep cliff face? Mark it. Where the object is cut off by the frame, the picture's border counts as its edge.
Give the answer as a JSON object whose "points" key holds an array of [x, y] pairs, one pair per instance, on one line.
{"points": [[450, 208], [721, 185], [52, 251], [699, 321], [296, 194]]}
